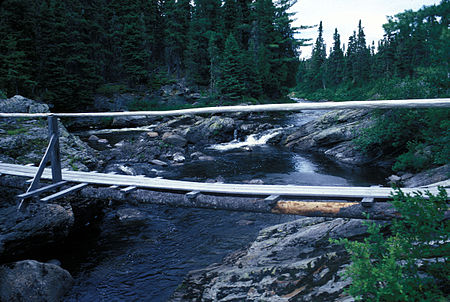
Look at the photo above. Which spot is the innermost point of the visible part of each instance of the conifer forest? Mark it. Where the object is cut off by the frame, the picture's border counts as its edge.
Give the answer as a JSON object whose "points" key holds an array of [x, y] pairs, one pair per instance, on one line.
{"points": [[64, 51]]}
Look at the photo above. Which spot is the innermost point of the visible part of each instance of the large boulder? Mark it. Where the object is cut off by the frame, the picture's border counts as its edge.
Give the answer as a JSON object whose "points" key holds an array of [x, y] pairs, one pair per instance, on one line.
{"points": [[289, 262], [333, 134], [174, 139], [30, 281], [19, 103], [214, 129], [33, 228], [24, 141]]}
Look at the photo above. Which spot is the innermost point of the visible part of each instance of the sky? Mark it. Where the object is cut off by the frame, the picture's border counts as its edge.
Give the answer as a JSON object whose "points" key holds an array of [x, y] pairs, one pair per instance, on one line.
{"points": [[345, 15]]}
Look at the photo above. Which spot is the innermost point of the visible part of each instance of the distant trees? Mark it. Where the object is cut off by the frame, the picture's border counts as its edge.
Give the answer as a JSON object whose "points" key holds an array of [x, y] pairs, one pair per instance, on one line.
{"points": [[415, 45], [63, 51]]}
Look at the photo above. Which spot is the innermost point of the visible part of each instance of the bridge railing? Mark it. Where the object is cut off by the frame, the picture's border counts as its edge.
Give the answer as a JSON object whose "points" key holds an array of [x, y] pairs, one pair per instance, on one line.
{"points": [[52, 153]]}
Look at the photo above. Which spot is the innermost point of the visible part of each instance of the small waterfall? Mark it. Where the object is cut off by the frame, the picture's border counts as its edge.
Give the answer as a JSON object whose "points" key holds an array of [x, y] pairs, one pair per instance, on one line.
{"points": [[251, 140]]}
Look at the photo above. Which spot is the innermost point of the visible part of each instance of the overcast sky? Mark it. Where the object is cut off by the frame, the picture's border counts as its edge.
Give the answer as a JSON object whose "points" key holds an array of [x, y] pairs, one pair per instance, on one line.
{"points": [[345, 15]]}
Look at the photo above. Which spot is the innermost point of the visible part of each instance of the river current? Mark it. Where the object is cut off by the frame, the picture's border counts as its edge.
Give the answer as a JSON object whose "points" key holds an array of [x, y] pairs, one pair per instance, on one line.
{"points": [[146, 262]]}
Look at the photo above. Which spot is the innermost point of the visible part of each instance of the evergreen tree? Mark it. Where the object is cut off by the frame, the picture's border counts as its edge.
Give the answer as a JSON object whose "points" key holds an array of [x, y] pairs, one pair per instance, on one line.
{"points": [[318, 60], [206, 22], [231, 83], [177, 18], [361, 67], [16, 48], [336, 61]]}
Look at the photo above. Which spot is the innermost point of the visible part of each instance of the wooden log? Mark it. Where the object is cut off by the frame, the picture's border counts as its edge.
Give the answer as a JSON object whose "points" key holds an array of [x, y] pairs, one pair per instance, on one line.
{"points": [[385, 104], [379, 210]]}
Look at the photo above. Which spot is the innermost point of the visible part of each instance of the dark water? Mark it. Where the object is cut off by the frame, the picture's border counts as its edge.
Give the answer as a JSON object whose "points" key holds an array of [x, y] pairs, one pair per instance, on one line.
{"points": [[147, 262]]}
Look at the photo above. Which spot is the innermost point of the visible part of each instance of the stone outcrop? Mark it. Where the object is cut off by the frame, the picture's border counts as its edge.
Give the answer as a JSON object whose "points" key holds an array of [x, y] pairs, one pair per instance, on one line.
{"points": [[427, 177], [289, 262], [31, 281], [32, 228], [215, 129], [333, 134], [24, 141]]}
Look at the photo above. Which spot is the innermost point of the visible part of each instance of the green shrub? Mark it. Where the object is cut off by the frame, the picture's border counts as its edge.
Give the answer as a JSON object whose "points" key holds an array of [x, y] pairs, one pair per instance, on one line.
{"points": [[143, 105], [417, 137], [111, 89], [412, 263], [2, 95]]}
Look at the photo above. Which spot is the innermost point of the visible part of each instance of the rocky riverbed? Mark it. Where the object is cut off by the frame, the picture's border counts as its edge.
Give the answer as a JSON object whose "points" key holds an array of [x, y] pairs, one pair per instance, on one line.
{"points": [[288, 262]]}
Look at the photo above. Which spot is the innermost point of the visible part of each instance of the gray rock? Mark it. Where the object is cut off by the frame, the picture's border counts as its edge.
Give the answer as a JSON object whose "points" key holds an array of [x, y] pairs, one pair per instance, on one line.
{"points": [[214, 129], [427, 177], [394, 180], [127, 170], [30, 281], [333, 134], [25, 141], [152, 134], [33, 228], [178, 157], [158, 162], [174, 139], [288, 262], [130, 121], [130, 216], [93, 138], [256, 181], [197, 155], [19, 103]]}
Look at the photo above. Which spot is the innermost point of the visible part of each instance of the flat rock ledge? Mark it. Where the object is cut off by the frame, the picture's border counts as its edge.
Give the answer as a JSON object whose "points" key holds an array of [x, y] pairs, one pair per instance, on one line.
{"points": [[289, 262], [31, 281]]}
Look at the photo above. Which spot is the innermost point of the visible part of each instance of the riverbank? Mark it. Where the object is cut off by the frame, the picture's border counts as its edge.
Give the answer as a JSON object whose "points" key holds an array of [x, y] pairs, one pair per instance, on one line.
{"points": [[167, 145]]}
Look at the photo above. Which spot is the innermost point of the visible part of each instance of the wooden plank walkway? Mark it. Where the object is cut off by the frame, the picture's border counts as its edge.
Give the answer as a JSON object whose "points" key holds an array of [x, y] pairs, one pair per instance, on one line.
{"points": [[318, 192]]}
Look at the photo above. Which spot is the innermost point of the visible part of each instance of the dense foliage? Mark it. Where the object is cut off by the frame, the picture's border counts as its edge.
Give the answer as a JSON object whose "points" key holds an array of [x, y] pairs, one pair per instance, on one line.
{"points": [[412, 61], [64, 51], [415, 46], [412, 263]]}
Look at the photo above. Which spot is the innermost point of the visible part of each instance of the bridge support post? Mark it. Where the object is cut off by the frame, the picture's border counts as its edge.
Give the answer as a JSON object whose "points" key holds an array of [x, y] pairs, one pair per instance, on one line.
{"points": [[55, 156], [52, 154]]}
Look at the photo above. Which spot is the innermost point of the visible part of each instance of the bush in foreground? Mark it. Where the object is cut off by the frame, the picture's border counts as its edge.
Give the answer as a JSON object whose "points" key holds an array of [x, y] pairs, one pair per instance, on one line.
{"points": [[410, 264]]}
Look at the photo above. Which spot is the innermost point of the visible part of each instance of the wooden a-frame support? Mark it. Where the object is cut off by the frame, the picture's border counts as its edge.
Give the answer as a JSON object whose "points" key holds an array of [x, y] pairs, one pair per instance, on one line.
{"points": [[52, 154]]}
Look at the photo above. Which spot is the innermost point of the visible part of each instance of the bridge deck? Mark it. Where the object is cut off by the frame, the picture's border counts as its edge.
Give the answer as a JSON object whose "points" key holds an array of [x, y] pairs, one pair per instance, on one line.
{"points": [[214, 188]]}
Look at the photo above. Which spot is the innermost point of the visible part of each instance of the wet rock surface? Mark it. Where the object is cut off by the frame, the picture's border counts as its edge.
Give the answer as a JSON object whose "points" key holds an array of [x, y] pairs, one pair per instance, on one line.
{"points": [[30, 281], [289, 262], [36, 226], [332, 134]]}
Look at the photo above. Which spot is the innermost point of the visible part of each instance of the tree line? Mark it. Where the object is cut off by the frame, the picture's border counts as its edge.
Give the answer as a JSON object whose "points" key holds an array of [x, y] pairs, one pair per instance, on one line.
{"points": [[415, 45], [411, 61], [63, 51]]}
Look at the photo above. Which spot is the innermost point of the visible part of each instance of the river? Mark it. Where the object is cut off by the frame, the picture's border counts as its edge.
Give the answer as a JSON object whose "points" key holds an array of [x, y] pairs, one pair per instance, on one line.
{"points": [[146, 262]]}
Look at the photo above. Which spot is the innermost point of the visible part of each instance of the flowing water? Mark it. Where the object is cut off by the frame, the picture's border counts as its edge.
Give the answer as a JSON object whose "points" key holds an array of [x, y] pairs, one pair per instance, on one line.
{"points": [[146, 262]]}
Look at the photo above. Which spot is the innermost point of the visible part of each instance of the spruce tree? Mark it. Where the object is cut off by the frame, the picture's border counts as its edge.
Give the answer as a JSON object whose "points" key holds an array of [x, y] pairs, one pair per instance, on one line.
{"points": [[318, 60], [336, 61], [231, 83]]}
